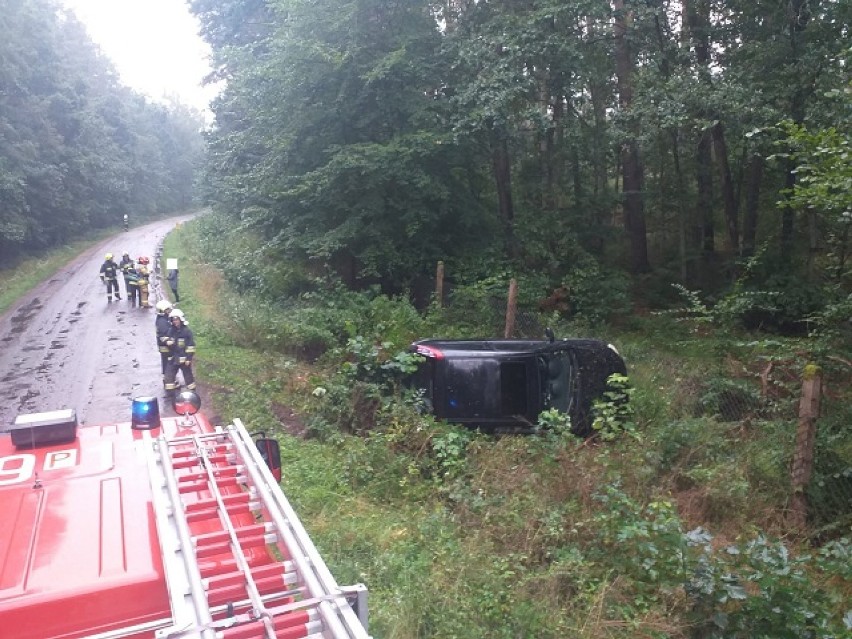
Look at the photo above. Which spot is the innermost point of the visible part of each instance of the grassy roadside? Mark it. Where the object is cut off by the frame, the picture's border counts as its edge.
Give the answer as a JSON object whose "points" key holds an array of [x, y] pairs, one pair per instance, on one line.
{"points": [[14, 282]]}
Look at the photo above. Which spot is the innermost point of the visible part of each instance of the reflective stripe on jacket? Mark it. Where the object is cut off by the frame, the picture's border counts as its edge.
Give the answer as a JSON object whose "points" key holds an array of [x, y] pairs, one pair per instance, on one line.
{"points": [[109, 270], [181, 344], [163, 327]]}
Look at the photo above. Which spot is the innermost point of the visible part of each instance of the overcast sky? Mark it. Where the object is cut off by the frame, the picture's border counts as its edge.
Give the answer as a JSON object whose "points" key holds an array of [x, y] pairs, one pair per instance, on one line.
{"points": [[154, 44]]}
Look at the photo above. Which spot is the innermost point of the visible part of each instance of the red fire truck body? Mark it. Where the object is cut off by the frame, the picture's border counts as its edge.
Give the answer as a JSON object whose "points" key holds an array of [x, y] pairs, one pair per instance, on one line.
{"points": [[179, 531]]}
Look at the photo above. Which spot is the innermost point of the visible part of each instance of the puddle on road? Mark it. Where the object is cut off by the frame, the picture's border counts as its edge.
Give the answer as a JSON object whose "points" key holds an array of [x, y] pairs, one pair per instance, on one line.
{"points": [[24, 314]]}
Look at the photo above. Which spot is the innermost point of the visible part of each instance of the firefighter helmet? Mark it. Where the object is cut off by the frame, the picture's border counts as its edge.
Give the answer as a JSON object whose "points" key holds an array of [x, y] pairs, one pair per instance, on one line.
{"points": [[142, 259], [109, 256], [164, 306], [177, 313]]}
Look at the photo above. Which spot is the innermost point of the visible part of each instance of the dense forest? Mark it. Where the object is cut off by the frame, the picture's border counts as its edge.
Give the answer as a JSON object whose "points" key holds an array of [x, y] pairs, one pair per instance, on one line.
{"points": [[673, 177], [78, 149], [595, 146]]}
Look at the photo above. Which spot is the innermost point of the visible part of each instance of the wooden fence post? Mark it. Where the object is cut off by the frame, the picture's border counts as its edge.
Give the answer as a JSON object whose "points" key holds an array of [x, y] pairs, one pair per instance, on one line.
{"points": [[803, 457], [511, 308], [439, 285]]}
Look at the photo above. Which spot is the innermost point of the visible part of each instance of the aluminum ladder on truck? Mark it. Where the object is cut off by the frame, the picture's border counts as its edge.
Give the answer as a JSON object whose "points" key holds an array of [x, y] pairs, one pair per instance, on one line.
{"points": [[237, 560]]}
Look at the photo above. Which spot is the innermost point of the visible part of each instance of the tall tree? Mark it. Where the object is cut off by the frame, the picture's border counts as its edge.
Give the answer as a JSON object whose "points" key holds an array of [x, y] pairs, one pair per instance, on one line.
{"points": [[329, 142], [631, 162]]}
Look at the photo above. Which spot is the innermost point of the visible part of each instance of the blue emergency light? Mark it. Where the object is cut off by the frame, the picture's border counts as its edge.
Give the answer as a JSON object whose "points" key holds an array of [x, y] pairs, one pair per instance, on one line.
{"points": [[145, 414]]}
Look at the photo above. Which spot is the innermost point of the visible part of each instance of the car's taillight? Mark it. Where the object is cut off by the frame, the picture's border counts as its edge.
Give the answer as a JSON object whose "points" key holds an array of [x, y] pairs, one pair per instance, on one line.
{"points": [[428, 351]]}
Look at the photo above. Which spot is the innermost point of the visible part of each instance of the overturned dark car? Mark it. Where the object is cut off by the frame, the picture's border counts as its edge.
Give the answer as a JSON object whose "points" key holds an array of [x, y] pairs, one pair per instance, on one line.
{"points": [[502, 385]]}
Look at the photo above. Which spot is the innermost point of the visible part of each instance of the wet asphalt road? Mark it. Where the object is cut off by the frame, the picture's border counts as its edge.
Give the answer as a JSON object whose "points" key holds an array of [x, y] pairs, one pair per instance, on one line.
{"points": [[64, 346]]}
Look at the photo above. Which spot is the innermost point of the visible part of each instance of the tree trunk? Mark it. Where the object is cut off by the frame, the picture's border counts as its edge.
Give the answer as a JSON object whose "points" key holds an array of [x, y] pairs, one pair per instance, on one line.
{"points": [[788, 215], [597, 92], [732, 212], [797, 114], [633, 176], [755, 176], [696, 18], [704, 181], [503, 183], [681, 209], [547, 146]]}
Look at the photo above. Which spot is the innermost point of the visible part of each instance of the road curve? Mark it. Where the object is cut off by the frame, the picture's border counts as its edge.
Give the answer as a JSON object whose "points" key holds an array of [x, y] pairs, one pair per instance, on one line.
{"points": [[64, 345]]}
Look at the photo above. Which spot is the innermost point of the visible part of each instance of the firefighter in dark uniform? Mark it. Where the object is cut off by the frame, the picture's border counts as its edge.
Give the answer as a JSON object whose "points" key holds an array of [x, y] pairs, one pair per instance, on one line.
{"points": [[181, 345], [162, 324], [128, 269], [109, 276]]}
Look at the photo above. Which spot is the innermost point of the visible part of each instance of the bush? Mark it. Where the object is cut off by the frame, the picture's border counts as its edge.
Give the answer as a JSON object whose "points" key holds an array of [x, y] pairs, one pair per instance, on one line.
{"points": [[760, 589]]}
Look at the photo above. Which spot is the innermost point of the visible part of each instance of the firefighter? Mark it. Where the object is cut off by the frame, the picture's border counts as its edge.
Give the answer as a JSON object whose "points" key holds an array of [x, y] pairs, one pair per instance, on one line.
{"points": [[162, 325], [131, 277], [109, 276], [181, 345], [142, 282]]}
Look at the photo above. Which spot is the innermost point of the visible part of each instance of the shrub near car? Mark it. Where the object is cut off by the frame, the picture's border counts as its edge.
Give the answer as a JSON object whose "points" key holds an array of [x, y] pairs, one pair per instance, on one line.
{"points": [[502, 385]]}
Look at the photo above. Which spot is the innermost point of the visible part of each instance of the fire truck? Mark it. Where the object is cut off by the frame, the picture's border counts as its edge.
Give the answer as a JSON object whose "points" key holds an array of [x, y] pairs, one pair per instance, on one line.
{"points": [[157, 528]]}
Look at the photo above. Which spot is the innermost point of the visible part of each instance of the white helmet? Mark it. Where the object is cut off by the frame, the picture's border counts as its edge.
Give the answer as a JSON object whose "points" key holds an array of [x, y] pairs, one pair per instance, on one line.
{"points": [[164, 306], [177, 313]]}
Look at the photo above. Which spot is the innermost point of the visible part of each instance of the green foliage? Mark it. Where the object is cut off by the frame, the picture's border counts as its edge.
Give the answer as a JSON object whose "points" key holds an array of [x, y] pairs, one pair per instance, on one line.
{"points": [[646, 538], [554, 426], [368, 185], [614, 412], [598, 294], [450, 450], [374, 364], [754, 589], [366, 383], [785, 304], [476, 309], [759, 589], [823, 181]]}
